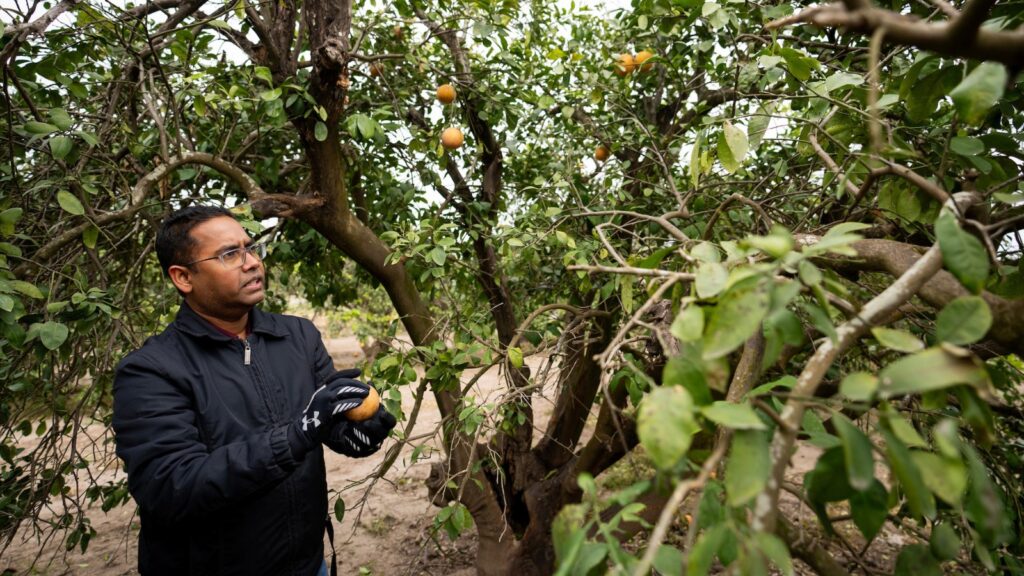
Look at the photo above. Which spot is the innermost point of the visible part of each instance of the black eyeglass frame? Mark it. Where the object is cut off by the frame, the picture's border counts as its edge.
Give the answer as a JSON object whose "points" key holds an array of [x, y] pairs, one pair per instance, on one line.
{"points": [[257, 249]]}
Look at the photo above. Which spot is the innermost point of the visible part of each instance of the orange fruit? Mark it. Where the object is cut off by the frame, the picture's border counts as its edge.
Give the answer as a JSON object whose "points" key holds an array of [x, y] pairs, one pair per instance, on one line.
{"points": [[642, 57], [625, 64], [397, 32], [452, 138], [376, 69], [446, 93], [602, 153], [367, 409]]}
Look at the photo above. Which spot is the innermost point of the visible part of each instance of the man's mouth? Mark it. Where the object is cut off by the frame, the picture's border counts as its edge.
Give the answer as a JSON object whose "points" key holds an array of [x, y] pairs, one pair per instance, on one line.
{"points": [[256, 282]]}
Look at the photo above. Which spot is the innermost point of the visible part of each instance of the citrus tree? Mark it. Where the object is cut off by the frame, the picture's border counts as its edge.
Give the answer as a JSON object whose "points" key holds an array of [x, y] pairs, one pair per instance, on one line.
{"points": [[707, 234]]}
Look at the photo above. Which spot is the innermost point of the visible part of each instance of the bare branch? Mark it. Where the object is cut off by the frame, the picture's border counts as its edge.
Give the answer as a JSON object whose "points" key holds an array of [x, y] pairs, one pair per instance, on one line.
{"points": [[963, 38], [39, 25]]}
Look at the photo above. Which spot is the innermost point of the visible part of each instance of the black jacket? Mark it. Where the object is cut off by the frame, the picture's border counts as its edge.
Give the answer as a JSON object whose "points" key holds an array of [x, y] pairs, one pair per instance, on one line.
{"points": [[200, 420]]}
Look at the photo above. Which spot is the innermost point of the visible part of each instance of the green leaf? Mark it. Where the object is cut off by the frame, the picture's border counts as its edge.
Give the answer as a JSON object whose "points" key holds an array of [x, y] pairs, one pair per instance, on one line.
{"points": [[903, 429], [859, 386], [695, 161], [810, 274], [898, 340], [962, 253], [964, 321], [776, 551], [515, 356], [89, 237], [945, 477], [966, 146], [52, 334], [738, 314], [706, 252], [732, 147], [735, 416], [827, 482], [842, 80], [437, 255], [27, 288], [339, 509], [40, 128], [860, 463], [666, 425], [270, 95], [710, 280], [689, 324], [758, 124], [668, 561], [933, 369], [320, 131], [70, 203], [799, 64], [367, 126], [705, 549], [687, 370], [263, 73], [8, 218], [985, 508], [925, 96], [869, 509], [919, 499], [916, 560], [61, 118], [944, 543], [60, 146], [979, 91], [749, 465]]}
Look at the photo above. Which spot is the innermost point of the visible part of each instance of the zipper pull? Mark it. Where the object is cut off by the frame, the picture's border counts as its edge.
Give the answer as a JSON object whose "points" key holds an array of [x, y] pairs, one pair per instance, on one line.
{"points": [[248, 352]]}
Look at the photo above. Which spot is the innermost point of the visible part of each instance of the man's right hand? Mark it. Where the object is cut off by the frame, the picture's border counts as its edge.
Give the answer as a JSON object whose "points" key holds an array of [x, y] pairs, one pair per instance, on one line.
{"points": [[339, 393]]}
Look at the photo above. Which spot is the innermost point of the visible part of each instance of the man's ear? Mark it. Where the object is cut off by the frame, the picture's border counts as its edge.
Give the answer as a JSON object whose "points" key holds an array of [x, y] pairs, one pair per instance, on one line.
{"points": [[181, 276]]}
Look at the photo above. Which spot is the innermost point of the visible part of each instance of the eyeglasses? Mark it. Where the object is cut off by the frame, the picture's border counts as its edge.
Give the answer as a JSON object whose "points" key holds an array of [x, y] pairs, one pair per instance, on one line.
{"points": [[235, 258]]}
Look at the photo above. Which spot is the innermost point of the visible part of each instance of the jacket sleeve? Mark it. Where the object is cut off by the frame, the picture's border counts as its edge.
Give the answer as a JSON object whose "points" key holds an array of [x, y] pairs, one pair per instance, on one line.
{"points": [[323, 365], [172, 474]]}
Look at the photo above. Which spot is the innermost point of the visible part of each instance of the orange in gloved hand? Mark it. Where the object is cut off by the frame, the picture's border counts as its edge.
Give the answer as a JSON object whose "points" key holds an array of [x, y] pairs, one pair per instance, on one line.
{"points": [[365, 410]]}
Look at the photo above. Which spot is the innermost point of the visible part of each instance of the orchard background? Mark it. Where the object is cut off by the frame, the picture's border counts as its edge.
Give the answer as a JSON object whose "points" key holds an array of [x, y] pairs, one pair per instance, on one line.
{"points": [[711, 234]]}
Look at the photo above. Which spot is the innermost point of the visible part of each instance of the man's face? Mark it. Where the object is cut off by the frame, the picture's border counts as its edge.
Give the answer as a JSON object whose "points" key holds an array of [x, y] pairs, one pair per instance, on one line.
{"points": [[209, 287]]}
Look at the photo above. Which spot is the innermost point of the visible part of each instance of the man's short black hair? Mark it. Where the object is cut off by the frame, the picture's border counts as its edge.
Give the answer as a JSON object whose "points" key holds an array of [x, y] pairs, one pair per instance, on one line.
{"points": [[174, 243]]}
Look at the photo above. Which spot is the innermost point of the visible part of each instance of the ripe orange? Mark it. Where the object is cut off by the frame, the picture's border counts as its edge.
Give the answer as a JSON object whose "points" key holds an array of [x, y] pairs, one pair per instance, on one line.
{"points": [[376, 69], [397, 31], [641, 57], [602, 153], [367, 409], [446, 93], [625, 64], [452, 138]]}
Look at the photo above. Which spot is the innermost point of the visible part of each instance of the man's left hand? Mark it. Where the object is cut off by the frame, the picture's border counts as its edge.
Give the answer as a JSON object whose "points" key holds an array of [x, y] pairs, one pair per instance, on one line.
{"points": [[360, 439]]}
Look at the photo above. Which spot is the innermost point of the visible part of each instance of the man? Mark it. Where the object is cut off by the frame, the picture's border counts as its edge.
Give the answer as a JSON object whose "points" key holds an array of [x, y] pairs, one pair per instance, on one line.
{"points": [[220, 418]]}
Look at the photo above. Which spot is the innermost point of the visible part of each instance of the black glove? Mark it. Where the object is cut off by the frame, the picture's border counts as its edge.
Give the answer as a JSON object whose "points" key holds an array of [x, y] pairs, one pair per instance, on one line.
{"points": [[360, 439], [339, 392]]}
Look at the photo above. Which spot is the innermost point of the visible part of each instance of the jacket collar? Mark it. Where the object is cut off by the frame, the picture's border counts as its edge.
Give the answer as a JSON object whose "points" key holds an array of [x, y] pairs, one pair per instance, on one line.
{"points": [[189, 322]]}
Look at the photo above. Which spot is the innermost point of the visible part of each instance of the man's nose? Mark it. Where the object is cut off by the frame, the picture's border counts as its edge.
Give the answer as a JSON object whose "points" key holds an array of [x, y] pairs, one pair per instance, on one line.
{"points": [[252, 261]]}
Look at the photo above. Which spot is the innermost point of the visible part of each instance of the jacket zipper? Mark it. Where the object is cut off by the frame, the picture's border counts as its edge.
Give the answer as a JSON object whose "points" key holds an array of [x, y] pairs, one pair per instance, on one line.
{"points": [[248, 352]]}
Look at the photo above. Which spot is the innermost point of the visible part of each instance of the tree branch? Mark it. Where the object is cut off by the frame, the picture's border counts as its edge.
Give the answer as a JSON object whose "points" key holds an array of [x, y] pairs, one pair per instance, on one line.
{"points": [[963, 37], [767, 503]]}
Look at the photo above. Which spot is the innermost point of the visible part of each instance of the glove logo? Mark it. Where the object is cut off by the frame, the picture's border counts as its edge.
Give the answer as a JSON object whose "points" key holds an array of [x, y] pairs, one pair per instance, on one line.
{"points": [[314, 420]]}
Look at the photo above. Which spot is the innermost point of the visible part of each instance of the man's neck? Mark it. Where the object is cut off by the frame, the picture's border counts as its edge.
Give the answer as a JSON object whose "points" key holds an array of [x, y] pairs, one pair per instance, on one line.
{"points": [[237, 326]]}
